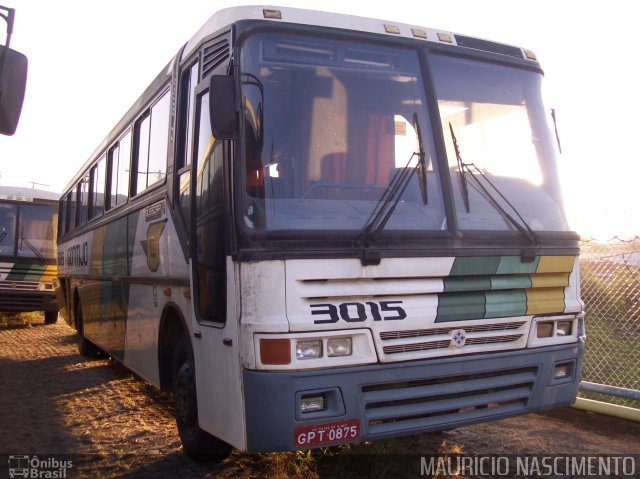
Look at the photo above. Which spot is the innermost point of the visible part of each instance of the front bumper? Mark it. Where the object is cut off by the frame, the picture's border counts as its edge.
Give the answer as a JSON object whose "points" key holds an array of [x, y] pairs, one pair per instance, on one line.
{"points": [[18, 301], [409, 397]]}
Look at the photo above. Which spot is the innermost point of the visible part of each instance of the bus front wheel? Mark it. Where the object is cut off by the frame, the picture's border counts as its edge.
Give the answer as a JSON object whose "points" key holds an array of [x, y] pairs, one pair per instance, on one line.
{"points": [[197, 443], [50, 317]]}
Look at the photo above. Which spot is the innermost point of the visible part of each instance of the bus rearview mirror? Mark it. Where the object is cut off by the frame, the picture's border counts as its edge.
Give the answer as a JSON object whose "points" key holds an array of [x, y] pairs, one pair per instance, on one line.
{"points": [[13, 80], [222, 107]]}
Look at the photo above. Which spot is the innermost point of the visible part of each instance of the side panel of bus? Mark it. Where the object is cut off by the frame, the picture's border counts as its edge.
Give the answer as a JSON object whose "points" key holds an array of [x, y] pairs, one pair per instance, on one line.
{"points": [[123, 275]]}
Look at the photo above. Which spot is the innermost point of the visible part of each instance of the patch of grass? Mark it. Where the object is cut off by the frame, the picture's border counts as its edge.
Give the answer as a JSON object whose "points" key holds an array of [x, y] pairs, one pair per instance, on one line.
{"points": [[609, 357], [383, 458], [20, 319], [611, 292]]}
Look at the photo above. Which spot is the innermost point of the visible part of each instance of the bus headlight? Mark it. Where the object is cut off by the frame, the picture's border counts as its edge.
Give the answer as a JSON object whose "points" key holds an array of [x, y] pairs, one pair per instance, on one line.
{"points": [[314, 350], [309, 349], [563, 328], [338, 347], [549, 330]]}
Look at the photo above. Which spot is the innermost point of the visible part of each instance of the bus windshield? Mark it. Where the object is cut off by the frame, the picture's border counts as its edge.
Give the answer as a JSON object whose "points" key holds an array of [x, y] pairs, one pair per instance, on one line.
{"points": [[35, 226], [8, 217], [495, 113], [36, 238], [328, 124]]}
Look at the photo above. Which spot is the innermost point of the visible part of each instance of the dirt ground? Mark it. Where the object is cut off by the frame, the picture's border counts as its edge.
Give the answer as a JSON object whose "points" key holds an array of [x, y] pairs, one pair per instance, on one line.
{"points": [[55, 403]]}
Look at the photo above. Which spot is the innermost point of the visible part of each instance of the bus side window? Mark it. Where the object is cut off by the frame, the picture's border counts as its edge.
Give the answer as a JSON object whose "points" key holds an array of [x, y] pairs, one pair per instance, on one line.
{"points": [[83, 200], [97, 189], [210, 220], [189, 80], [62, 216], [151, 142], [70, 219], [119, 159]]}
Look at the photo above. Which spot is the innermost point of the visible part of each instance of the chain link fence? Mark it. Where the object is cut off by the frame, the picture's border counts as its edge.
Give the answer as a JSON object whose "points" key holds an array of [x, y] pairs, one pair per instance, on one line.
{"points": [[610, 281]]}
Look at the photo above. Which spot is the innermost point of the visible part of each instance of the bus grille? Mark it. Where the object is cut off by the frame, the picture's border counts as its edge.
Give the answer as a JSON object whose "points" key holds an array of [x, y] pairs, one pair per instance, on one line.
{"points": [[19, 285], [437, 402], [394, 342], [17, 302]]}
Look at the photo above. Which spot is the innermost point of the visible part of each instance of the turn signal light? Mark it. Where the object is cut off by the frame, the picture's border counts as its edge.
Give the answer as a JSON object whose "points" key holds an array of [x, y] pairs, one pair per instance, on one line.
{"points": [[275, 351]]}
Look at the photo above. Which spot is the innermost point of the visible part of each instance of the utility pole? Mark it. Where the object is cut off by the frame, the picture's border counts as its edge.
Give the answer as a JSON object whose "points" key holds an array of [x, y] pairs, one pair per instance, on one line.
{"points": [[34, 183]]}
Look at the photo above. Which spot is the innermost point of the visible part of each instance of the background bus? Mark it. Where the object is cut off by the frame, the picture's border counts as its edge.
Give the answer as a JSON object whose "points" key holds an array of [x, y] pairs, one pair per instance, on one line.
{"points": [[319, 229], [28, 229]]}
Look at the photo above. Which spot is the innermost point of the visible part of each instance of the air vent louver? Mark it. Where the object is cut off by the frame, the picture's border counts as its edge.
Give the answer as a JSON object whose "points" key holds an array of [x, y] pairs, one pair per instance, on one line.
{"points": [[214, 55]]}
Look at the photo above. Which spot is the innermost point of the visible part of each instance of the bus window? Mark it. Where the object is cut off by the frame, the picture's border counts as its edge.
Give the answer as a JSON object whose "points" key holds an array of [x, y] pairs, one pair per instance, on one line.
{"points": [[83, 200], [97, 189], [73, 206], [119, 157], [36, 236], [70, 212], [62, 216], [150, 154], [210, 221], [188, 92], [7, 229], [141, 156], [183, 159]]}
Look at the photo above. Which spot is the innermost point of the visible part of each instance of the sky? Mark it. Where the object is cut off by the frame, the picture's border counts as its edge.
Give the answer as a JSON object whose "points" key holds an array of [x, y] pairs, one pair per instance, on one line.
{"points": [[90, 60]]}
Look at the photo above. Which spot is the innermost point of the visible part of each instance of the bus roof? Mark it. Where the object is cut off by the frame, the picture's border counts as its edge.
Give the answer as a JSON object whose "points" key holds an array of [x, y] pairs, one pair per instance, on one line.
{"points": [[19, 193], [228, 16]]}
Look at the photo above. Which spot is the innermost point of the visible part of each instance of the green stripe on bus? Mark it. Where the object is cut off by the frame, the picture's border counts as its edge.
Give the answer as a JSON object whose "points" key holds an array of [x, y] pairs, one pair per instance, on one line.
{"points": [[500, 304], [460, 307], [473, 283], [516, 281], [35, 272], [26, 272], [475, 265], [514, 265]]}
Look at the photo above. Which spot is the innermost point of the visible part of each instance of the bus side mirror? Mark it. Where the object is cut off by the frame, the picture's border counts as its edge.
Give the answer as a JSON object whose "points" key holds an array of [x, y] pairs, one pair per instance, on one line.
{"points": [[13, 80], [222, 107]]}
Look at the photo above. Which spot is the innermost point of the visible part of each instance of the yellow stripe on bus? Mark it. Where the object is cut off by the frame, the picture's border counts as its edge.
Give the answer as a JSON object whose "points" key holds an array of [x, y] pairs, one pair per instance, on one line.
{"points": [[545, 300], [549, 280], [555, 264]]}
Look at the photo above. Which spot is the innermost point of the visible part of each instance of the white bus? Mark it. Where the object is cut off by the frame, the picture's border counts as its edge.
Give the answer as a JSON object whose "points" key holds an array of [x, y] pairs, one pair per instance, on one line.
{"points": [[319, 229]]}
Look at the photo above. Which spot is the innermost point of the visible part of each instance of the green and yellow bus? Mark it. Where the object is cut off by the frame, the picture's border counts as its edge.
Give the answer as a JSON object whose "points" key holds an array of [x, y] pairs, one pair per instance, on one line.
{"points": [[28, 256], [318, 229]]}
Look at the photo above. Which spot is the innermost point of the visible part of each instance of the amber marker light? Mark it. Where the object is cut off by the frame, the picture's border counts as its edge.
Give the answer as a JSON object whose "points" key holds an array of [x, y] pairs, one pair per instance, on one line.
{"points": [[275, 351], [418, 33], [392, 29], [271, 13]]}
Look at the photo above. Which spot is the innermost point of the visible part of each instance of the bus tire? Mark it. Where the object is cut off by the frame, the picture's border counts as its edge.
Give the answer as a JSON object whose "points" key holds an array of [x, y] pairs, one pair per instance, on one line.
{"points": [[50, 317], [197, 443], [85, 347]]}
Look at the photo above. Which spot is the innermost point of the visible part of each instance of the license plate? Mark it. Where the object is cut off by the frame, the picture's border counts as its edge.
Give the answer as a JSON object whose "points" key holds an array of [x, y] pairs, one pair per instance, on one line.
{"points": [[329, 433]]}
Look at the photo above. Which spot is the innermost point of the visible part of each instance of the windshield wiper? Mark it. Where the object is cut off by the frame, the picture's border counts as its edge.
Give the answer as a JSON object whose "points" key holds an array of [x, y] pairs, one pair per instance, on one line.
{"points": [[387, 203], [521, 225], [461, 168], [34, 249]]}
